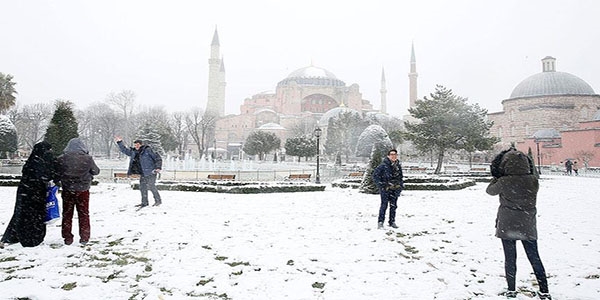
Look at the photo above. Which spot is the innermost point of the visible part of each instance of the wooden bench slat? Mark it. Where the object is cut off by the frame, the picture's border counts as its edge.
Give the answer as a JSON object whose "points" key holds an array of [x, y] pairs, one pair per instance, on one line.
{"points": [[298, 177], [221, 176]]}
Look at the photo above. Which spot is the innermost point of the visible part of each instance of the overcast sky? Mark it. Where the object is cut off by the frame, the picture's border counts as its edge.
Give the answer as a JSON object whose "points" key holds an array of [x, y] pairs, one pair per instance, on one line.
{"points": [[84, 50]]}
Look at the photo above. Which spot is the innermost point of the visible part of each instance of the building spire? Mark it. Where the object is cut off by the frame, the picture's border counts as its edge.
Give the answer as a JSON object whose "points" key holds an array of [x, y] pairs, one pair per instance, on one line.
{"points": [[383, 92], [215, 40], [412, 95]]}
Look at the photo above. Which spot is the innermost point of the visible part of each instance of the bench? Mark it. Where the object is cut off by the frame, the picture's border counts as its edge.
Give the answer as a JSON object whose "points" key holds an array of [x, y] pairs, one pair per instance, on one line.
{"points": [[450, 169], [221, 176], [305, 177], [117, 176], [355, 175]]}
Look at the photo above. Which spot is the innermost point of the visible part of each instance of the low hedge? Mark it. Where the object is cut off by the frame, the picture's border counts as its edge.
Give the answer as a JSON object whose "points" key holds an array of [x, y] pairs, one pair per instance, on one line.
{"points": [[236, 187], [428, 182]]}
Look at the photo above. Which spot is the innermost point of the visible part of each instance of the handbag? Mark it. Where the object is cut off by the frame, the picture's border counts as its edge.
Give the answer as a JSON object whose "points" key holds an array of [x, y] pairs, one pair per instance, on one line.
{"points": [[52, 209]]}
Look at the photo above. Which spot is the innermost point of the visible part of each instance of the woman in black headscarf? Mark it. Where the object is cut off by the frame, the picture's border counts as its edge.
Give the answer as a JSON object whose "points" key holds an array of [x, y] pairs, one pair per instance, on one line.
{"points": [[27, 223]]}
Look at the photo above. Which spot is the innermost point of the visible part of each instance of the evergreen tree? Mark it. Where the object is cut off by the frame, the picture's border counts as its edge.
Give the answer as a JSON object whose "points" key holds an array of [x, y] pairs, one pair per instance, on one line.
{"points": [[8, 137], [448, 122], [301, 147], [151, 137], [374, 134], [379, 151], [260, 143], [62, 127], [7, 91]]}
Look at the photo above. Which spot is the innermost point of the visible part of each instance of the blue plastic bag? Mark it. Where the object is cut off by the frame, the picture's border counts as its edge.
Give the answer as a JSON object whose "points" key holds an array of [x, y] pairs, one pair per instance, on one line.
{"points": [[52, 209]]}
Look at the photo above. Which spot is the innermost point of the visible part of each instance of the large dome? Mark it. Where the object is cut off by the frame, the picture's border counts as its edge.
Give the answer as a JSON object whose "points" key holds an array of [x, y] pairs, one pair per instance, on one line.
{"points": [[334, 112], [551, 83], [312, 75]]}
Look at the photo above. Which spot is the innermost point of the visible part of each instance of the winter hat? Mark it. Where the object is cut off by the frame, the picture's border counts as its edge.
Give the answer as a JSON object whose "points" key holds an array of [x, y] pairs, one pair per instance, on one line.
{"points": [[515, 162]]}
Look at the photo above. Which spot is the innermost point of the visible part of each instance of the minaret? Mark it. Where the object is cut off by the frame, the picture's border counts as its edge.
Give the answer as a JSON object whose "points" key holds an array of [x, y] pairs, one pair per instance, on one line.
{"points": [[383, 92], [222, 85], [216, 102], [412, 97]]}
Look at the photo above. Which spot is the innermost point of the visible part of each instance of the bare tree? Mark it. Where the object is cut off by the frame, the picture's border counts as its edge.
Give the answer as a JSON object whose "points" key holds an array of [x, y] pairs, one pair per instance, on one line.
{"points": [[31, 122], [179, 128], [106, 123], [124, 102], [199, 125]]}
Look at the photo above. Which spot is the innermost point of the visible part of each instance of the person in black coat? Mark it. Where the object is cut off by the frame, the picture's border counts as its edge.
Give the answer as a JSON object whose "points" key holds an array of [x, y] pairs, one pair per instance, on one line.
{"points": [[27, 223], [388, 177], [517, 186]]}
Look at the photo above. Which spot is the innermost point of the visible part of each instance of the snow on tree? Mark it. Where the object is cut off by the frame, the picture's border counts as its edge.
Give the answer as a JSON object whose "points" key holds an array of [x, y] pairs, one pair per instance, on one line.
{"points": [[8, 137], [379, 151], [301, 146], [372, 135], [149, 134]]}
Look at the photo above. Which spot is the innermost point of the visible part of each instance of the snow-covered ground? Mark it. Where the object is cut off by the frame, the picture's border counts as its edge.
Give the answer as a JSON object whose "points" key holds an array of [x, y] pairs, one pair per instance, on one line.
{"points": [[318, 245]]}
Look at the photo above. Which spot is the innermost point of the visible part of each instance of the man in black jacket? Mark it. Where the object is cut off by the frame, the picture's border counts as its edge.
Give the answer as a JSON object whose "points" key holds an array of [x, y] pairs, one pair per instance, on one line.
{"points": [[389, 179]]}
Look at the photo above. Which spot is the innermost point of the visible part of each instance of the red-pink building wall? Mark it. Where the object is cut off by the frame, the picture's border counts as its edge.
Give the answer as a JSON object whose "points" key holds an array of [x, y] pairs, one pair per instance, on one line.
{"points": [[579, 144]]}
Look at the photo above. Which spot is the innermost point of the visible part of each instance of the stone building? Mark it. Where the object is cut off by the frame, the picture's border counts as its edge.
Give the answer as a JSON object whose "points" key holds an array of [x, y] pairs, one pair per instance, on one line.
{"points": [[545, 102]]}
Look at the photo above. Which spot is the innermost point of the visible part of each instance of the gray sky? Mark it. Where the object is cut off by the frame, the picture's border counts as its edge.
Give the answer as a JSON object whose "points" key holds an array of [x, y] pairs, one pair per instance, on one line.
{"points": [[83, 50]]}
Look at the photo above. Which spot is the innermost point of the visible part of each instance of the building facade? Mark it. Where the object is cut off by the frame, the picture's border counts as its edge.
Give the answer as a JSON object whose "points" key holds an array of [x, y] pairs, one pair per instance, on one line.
{"points": [[550, 101]]}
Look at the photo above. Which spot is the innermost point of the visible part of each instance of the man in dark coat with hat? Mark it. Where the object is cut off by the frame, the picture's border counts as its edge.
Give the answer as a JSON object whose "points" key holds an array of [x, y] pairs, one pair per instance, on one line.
{"points": [[517, 187]]}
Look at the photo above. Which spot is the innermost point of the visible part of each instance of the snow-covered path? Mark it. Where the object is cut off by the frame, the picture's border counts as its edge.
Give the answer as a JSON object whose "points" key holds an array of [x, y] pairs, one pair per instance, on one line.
{"points": [[319, 245]]}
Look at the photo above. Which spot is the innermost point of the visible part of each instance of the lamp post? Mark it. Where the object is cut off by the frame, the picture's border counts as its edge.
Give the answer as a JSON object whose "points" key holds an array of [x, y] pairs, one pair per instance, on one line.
{"points": [[537, 145], [318, 135]]}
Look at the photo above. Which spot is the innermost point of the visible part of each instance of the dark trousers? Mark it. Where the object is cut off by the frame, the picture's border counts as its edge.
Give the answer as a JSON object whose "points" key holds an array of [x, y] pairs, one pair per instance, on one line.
{"points": [[149, 183], [510, 263], [391, 197], [79, 200]]}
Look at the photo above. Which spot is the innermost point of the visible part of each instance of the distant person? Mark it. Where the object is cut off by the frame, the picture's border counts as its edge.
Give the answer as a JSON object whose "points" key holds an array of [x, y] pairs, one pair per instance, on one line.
{"points": [[517, 186], [575, 168], [569, 167], [27, 223], [145, 162], [388, 177], [77, 169]]}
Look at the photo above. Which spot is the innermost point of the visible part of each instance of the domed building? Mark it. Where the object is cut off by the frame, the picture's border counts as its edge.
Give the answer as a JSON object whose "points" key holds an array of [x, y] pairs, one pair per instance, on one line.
{"points": [[547, 102], [307, 97]]}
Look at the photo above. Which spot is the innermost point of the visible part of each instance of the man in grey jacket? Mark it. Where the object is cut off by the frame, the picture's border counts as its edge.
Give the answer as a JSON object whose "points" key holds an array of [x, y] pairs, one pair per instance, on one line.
{"points": [[76, 170], [145, 162]]}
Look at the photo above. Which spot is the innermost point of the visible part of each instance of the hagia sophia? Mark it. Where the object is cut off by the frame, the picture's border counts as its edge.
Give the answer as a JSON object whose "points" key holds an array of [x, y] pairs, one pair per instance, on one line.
{"points": [[557, 112]]}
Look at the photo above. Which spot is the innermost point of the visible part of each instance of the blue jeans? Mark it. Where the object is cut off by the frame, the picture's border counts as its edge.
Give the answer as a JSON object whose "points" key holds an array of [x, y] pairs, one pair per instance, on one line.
{"points": [[391, 197], [510, 263], [149, 183]]}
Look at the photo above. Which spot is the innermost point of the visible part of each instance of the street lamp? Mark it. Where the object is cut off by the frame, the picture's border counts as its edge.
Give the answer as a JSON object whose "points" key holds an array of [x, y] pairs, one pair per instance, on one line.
{"points": [[537, 145], [318, 135]]}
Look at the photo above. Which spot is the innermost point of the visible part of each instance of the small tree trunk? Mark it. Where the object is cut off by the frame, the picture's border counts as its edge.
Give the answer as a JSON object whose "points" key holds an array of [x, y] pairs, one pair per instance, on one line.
{"points": [[440, 161]]}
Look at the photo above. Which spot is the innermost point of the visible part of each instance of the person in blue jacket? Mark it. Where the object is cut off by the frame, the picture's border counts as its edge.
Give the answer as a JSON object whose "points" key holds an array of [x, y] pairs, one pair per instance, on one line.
{"points": [[389, 179], [145, 162]]}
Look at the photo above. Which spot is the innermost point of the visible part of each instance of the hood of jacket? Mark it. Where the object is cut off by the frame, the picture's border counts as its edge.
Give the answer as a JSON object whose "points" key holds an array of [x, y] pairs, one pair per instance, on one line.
{"points": [[77, 146], [515, 162]]}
